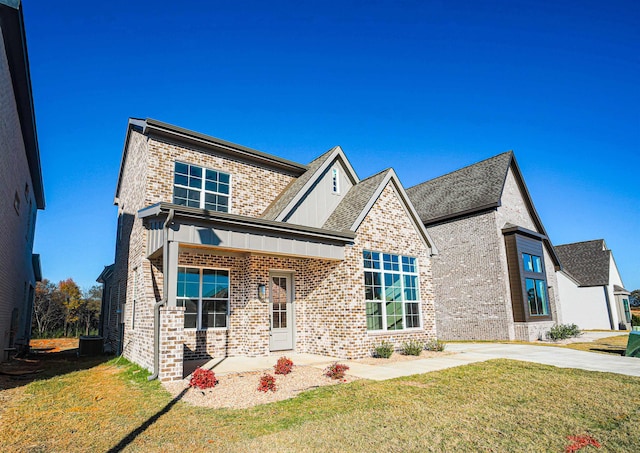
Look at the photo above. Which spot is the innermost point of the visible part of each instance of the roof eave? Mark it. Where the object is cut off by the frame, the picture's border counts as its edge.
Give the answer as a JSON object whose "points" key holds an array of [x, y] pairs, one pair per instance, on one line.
{"points": [[192, 137], [237, 220], [13, 31]]}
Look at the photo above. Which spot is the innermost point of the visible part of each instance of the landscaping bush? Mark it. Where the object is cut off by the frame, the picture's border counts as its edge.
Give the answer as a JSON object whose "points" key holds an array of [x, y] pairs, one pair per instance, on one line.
{"points": [[635, 320], [336, 371], [435, 345], [412, 347], [203, 379], [267, 383], [283, 366], [384, 350], [563, 331]]}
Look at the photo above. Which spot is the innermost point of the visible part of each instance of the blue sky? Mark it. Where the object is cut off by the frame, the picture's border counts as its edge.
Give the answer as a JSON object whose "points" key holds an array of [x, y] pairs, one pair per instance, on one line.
{"points": [[423, 86]]}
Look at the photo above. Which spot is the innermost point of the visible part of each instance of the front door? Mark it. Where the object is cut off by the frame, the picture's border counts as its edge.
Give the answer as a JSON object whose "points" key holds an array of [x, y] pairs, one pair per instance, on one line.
{"points": [[280, 301]]}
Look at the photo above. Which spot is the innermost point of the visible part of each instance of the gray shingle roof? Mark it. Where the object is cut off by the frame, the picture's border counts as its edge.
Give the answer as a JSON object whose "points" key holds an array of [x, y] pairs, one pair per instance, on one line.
{"points": [[587, 262], [288, 194], [470, 189], [354, 202]]}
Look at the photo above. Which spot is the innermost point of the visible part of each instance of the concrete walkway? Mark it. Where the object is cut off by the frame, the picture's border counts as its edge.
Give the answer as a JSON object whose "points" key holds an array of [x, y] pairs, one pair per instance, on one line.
{"points": [[465, 353]]}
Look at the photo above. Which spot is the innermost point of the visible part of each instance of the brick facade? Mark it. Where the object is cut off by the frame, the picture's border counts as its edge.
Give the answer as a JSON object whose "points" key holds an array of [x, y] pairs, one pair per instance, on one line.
{"points": [[473, 296], [17, 222], [329, 305]]}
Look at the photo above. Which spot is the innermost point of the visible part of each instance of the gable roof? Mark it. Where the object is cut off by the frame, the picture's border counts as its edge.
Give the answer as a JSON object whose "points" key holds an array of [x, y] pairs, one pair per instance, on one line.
{"points": [[587, 262], [151, 127], [471, 189], [359, 200], [298, 188], [474, 189]]}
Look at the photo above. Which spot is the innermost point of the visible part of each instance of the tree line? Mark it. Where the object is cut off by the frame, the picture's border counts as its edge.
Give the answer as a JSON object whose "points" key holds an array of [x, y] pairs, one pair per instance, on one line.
{"points": [[63, 310]]}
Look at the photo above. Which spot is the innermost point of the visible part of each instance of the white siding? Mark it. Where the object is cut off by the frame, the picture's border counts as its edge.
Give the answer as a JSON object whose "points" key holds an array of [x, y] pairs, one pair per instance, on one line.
{"points": [[586, 307]]}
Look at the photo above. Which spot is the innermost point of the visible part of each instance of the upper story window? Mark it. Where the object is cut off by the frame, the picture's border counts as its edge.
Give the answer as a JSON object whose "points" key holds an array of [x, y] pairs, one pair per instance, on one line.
{"points": [[391, 291], [199, 187], [335, 180]]}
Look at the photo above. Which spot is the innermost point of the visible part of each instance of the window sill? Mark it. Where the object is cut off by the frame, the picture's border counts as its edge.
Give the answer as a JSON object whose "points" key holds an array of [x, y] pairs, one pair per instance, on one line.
{"points": [[212, 329], [376, 333]]}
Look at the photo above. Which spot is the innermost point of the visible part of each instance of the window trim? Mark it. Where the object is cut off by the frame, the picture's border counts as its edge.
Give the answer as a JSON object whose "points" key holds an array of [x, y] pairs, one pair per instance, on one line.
{"points": [[335, 181], [203, 191], [198, 327], [382, 271]]}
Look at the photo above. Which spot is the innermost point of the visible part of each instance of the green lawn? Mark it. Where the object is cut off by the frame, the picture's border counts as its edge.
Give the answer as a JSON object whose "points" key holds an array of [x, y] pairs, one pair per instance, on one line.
{"points": [[498, 405]]}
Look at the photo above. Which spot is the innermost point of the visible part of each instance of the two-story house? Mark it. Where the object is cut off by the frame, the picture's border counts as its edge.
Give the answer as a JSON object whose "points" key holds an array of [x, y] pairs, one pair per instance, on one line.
{"points": [[21, 190], [223, 250], [495, 273]]}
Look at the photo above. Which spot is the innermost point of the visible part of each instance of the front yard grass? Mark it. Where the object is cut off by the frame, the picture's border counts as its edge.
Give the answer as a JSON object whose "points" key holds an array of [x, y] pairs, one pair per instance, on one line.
{"points": [[499, 405]]}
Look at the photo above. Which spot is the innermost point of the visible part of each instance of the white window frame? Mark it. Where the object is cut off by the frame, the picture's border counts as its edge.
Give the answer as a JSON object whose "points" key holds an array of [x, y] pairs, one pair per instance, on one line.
{"points": [[202, 190], [402, 273], [198, 326], [335, 181]]}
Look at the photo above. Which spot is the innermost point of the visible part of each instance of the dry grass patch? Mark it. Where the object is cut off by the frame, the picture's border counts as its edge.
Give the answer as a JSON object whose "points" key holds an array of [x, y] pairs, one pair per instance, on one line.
{"points": [[609, 345], [499, 405]]}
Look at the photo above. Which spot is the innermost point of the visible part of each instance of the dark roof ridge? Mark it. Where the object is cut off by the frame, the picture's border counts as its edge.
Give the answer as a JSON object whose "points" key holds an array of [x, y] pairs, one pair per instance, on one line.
{"points": [[463, 168]]}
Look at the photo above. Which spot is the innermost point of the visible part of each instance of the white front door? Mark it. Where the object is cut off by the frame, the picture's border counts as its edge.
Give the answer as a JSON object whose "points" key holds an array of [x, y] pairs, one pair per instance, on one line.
{"points": [[281, 303]]}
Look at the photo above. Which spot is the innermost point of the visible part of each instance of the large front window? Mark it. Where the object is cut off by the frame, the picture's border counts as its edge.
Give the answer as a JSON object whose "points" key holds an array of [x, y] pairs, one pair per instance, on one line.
{"points": [[205, 295], [391, 291], [199, 187]]}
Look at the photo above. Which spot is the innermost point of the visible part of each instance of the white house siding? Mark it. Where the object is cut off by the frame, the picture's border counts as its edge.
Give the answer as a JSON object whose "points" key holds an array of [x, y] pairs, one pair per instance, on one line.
{"points": [[16, 228], [586, 307]]}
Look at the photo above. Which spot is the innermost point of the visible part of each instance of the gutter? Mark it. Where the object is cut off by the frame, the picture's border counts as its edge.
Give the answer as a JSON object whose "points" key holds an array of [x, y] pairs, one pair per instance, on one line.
{"points": [[165, 292], [606, 298]]}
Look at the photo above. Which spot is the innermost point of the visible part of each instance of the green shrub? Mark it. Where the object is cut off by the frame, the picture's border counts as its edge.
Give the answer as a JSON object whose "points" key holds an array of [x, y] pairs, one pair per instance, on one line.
{"points": [[435, 345], [563, 331], [635, 320], [384, 350], [412, 347]]}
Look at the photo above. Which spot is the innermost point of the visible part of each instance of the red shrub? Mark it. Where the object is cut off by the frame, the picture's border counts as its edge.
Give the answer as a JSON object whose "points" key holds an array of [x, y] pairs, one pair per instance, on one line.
{"points": [[336, 371], [267, 382], [580, 442], [203, 379], [283, 366]]}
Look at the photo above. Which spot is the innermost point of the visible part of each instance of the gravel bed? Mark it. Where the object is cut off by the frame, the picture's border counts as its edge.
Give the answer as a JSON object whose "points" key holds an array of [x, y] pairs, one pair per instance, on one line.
{"points": [[397, 357], [239, 390]]}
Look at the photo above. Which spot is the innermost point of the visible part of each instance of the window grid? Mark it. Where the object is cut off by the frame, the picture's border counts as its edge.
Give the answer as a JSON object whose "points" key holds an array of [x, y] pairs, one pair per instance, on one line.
{"points": [[199, 187], [392, 279], [205, 295], [535, 285]]}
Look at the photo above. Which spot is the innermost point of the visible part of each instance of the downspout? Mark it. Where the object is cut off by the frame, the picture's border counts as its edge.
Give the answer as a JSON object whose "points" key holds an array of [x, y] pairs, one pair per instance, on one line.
{"points": [[606, 298], [156, 307]]}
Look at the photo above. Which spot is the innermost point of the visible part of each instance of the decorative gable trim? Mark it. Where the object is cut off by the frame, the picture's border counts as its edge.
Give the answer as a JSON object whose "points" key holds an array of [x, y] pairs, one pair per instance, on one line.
{"points": [[335, 154]]}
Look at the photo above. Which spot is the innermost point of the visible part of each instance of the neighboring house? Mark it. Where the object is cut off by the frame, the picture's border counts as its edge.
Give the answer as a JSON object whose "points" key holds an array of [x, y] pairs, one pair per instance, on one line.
{"points": [[494, 275], [591, 289], [223, 251], [21, 192]]}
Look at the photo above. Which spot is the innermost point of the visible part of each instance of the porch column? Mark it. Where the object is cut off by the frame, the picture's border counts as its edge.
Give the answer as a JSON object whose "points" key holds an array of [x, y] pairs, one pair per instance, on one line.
{"points": [[171, 343]]}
